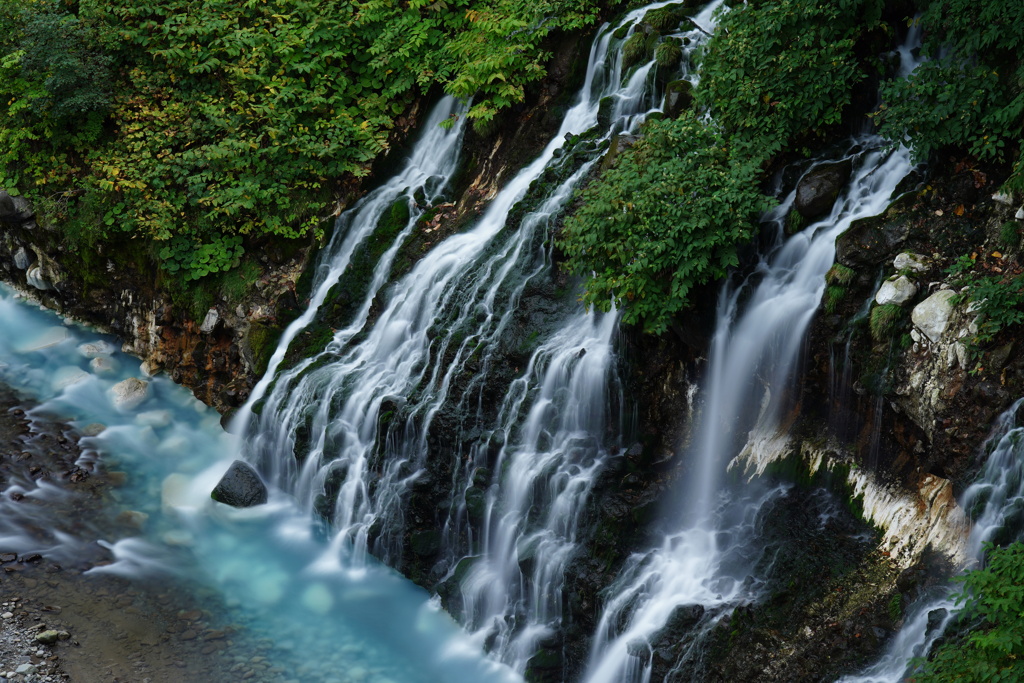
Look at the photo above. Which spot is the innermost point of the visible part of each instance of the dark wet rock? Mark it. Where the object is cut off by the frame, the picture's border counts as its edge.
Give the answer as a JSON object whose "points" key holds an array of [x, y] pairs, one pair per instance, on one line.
{"points": [[818, 189], [14, 210], [240, 487], [678, 98]]}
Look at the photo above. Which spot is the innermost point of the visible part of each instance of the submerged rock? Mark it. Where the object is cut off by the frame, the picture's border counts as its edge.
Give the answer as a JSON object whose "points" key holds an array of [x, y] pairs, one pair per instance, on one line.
{"points": [[240, 487], [129, 394]]}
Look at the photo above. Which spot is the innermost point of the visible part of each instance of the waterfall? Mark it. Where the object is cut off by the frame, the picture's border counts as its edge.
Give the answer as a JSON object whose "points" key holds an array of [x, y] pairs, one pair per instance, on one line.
{"points": [[754, 355], [412, 396], [995, 503]]}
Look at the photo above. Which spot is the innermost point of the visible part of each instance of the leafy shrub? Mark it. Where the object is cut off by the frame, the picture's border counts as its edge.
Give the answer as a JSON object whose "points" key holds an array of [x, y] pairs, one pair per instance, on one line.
{"points": [[199, 122], [996, 298], [993, 597], [781, 69], [968, 95], [666, 217]]}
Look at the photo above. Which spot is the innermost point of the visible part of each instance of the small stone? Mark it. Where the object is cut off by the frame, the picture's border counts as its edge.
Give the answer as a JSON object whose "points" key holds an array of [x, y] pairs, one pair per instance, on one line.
{"points": [[909, 261], [93, 429], [154, 418], [21, 259], [96, 349], [67, 376], [210, 321], [104, 366], [1020, 214], [47, 637], [133, 518], [7, 615], [26, 668], [1004, 198], [35, 278]]}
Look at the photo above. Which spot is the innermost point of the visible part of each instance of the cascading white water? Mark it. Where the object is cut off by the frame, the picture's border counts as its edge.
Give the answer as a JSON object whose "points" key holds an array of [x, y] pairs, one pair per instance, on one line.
{"points": [[753, 356], [431, 346], [995, 501]]}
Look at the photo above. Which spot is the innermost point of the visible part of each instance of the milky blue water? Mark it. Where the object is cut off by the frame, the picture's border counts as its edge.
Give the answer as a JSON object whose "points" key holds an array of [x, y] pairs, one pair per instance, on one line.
{"points": [[327, 622]]}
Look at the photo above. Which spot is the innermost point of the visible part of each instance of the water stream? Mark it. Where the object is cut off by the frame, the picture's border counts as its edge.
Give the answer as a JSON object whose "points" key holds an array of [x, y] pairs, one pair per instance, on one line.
{"points": [[415, 397], [754, 354], [996, 504]]}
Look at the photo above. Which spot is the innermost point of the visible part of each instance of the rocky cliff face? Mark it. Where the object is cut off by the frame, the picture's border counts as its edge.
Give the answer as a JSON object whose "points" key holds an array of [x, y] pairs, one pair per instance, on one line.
{"points": [[215, 343]]}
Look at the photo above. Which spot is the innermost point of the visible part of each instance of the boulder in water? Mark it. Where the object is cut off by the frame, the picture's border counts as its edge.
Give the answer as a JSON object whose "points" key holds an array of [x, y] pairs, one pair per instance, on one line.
{"points": [[818, 189], [240, 487], [129, 394]]}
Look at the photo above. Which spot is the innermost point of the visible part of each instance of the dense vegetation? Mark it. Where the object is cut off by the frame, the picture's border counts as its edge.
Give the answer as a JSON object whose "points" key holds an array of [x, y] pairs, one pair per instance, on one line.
{"points": [[778, 77], [673, 210], [993, 598], [191, 123], [969, 95]]}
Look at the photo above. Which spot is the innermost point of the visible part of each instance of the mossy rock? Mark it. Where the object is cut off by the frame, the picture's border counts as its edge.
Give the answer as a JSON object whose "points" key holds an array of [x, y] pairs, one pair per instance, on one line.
{"points": [[668, 54], [678, 98]]}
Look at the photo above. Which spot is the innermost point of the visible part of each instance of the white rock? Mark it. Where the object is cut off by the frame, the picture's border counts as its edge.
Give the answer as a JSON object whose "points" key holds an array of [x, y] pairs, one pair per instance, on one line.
{"points": [[7, 615], [1005, 198], [21, 259], [898, 291], [96, 348], [35, 278], [50, 338], [104, 365], [93, 429], [210, 321], [129, 394], [961, 354], [1020, 214], [915, 335], [907, 260], [154, 418], [25, 668], [66, 376], [931, 316]]}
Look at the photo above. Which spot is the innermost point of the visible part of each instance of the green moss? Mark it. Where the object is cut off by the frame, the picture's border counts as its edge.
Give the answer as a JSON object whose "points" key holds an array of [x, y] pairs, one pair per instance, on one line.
{"points": [[833, 297], [1009, 234], [262, 342], [884, 321], [839, 274], [668, 54]]}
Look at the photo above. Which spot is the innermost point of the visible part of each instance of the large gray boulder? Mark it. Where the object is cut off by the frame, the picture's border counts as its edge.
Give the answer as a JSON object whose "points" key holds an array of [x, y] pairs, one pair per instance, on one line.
{"points": [[897, 291], [240, 487], [818, 189]]}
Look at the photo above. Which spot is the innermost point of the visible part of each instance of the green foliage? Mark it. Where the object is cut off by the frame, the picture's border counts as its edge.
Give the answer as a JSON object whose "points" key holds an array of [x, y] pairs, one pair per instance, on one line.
{"points": [[779, 70], [969, 94], [992, 596], [883, 321], [895, 607], [1009, 234], [666, 217], [997, 298], [196, 260], [195, 123]]}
